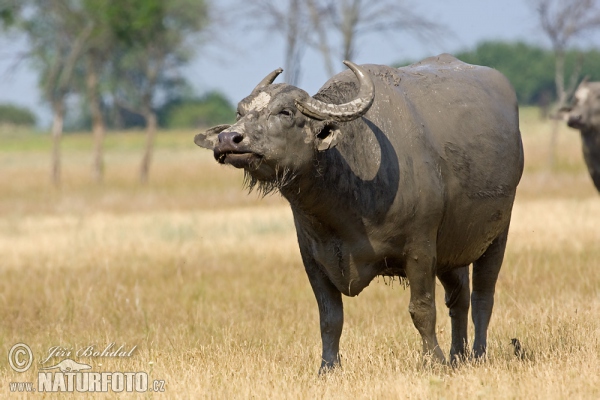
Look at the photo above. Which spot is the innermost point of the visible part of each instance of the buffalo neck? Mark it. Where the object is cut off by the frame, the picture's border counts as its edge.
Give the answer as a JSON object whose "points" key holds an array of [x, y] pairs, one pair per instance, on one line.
{"points": [[591, 153], [359, 178]]}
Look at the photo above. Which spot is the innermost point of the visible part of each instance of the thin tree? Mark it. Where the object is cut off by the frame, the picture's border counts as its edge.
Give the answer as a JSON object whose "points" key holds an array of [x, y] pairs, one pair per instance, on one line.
{"points": [[289, 18], [352, 19], [57, 40], [318, 14], [94, 61], [99, 48], [154, 38], [9, 10], [563, 22], [333, 27]]}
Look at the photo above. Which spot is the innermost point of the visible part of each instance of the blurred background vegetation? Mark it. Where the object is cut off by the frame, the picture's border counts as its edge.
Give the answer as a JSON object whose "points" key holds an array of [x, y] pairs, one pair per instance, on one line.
{"points": [[118, 63], [530, 68], [11, 114], [107, 65]]}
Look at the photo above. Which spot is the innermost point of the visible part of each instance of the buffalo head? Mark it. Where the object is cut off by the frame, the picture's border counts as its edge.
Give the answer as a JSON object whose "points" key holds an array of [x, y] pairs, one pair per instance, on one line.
{"points": [[279, 128], [584, 114]]}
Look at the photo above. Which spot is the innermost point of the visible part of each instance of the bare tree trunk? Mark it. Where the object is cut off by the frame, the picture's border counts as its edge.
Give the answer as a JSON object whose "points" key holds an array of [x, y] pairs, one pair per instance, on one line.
{"points": [[116, 116], [293, 45], [151, 125], [562, 94], [318, 22], [562, 21], [350, 18], [58, 111], [152, 71], [98, 126], [559, 77], [553, 141], [559, 81]]}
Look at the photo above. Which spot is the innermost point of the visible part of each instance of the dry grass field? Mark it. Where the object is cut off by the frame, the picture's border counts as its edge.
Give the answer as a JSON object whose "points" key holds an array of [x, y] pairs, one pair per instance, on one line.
{"points": [[207, 281]]}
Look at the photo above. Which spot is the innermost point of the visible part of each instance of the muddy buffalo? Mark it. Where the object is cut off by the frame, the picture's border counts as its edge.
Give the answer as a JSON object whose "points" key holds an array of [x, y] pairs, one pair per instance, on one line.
{"points": [[585, 116], [407, 172]]}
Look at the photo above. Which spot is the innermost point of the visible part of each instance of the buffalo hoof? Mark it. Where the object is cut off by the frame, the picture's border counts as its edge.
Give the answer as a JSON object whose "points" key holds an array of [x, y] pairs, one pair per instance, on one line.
{"points": [[430, 361], [328, 367], [458, 359], [479, 354]]}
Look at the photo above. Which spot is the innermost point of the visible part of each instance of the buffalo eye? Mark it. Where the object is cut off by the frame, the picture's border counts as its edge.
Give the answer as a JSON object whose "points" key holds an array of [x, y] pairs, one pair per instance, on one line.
{"points": [[238, 115], [285, 112]]}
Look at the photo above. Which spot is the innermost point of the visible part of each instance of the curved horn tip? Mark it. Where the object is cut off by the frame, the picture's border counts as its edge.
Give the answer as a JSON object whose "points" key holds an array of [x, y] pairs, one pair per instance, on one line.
{"points": [[349, 64], [357, 69], [267, 80], [347, 111]]}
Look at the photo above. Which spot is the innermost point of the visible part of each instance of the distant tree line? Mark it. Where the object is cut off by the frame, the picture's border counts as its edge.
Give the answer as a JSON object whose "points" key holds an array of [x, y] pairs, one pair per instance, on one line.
{"points": [[177, 111], [119, 61], [333, 28], [530, 68], [15, 115]]}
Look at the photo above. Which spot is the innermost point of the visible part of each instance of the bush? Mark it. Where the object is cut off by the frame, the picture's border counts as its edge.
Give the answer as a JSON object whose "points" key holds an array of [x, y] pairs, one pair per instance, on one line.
{"points": [[529, 68], [211, 109], [15, 115]]}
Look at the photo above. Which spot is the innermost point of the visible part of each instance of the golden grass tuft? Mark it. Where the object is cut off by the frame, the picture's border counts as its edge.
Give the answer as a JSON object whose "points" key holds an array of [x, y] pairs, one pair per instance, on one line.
{"points": [[207, 281]]}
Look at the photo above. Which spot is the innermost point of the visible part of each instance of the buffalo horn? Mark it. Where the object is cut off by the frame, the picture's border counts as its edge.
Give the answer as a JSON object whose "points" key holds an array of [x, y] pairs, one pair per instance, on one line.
{"points": [[267, 80], [342, 112]]}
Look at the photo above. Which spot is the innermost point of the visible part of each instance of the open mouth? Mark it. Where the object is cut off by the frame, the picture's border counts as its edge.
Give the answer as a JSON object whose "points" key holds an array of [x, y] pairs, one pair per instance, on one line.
{"points": [[574, 124], [238, 159]]}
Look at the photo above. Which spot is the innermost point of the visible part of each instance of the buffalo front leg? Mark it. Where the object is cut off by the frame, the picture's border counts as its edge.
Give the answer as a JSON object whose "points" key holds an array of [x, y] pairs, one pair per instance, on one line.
{"points": [[420, 271], [456, 286], [331, 316], [485, 275]]}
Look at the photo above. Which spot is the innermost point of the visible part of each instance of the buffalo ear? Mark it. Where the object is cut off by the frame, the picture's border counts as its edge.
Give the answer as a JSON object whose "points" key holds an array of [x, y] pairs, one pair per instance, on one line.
{"points": [[585, 80], [210, 138], [563, 113], [327, 135]]}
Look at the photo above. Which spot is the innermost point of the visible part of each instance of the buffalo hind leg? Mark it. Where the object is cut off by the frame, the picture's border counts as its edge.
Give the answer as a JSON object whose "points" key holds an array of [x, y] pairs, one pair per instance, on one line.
{"points": [[331, 316], [420, 271], [485, 275], [457, 299]]}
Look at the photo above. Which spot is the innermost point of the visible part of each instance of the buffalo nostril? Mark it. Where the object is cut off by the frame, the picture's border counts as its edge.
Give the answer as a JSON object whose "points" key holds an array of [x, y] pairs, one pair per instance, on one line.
{"points": [[230, 137]]}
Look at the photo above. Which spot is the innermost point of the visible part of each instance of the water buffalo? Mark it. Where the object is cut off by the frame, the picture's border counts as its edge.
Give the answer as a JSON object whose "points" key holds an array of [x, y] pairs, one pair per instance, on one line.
{"points": [[585, 116], [407, 172]]}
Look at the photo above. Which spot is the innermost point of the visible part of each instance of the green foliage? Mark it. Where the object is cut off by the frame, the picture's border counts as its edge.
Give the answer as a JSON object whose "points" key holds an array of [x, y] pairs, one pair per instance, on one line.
{"points": [[15, 115], [591, 63], [6, 16], [153, 22], [121, 54], [530, 68], [135, 22], [8, 12], [153, 39], [211, 109]]}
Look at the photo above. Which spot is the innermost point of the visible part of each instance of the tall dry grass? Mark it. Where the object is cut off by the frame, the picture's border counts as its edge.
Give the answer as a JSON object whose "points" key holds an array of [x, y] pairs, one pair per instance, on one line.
{"points": [[207, 282]]}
